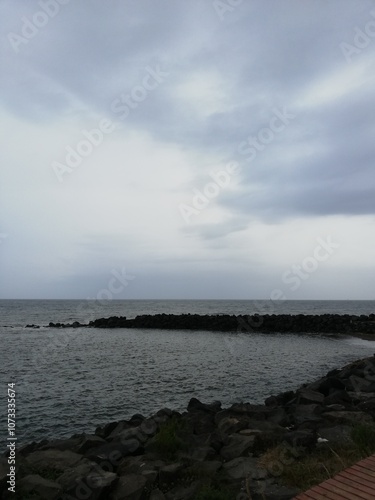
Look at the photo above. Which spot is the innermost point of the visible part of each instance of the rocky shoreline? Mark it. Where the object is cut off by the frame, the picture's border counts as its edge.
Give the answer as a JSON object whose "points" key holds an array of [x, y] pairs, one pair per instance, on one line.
{"points": [[205, 453], [268, 323]]}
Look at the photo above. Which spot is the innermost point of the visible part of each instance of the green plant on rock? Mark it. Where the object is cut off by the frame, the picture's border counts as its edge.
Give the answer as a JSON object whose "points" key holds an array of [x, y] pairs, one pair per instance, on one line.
{"points": [[168, 440]]}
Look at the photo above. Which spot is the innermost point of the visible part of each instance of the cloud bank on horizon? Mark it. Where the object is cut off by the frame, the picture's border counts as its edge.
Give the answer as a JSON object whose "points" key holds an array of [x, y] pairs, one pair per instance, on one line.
{"points": [[216, 149]]}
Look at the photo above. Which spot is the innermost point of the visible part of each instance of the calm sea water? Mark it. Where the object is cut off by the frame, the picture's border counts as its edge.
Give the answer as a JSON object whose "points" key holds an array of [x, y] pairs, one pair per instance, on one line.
{"points": [[72, 380]]}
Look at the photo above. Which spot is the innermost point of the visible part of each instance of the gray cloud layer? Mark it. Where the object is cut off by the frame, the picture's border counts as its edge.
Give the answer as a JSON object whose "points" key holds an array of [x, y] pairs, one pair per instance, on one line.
{"points": [[224, 73]]}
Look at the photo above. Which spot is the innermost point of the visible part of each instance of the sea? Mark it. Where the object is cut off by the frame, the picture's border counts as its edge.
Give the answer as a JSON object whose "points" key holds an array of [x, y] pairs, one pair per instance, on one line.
{"points": [[72, 380]]}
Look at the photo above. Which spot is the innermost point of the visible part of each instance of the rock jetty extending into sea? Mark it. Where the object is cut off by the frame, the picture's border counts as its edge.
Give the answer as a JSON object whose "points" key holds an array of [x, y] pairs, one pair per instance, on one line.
{"points": [[268, 323], [207, 452]]}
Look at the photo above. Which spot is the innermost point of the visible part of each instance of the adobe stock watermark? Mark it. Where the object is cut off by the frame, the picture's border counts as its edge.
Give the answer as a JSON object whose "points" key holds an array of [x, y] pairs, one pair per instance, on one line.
{"points": [[117, 283], [121, 107], [31, 27], [202, 198], [250, 148], [361, 39], [253, 145], [223, 7], [294, 277]]}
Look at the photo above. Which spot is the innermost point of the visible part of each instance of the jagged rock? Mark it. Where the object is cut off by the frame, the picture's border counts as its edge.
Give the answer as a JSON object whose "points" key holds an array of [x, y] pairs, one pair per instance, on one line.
{"points": [[129, 487], [87, 480], [184, 492], [201, 453], [348, 417], [301, 440], [149, 427], [209, 468], [157, 495], [237, 446], [200, 422], [329, 384], [114, 452], [34, 485], [53, 459], [170, 473], [273, 491], [250, 432], [229, 425], [60, 444], [128, 434], [339, 434], [266, 440], [279, 416], [340, 397], [105, 431], [133, 465], [88, 442], [307, 396], [244, 467], [280, 400], [150, 476], [196, 405], [368, 406]]}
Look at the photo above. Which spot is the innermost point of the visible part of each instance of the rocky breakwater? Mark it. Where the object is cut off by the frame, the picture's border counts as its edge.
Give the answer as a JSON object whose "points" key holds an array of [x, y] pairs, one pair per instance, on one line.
{"points": [[208, 452], [268, 323]]}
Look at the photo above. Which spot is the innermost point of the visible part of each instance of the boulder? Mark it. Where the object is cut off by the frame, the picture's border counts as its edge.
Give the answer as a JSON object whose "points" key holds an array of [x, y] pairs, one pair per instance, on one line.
{"points": [[59, 444], [229, 425], [195, 405], [338, 396], [170, 473], [114, 452], [242, 468], [188, 492], [149, 427], [237, 446], [301, 440], [340, 434], [157, 495], [105, 431], [88, 442], [35, 486], [130, 487], [307, 396], [133, 465], [87, 480], [53, 459], [348, 417]]}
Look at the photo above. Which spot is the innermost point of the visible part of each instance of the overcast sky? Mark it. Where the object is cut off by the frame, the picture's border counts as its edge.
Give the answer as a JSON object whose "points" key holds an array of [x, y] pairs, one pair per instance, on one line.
{"points": [[187, 149]]}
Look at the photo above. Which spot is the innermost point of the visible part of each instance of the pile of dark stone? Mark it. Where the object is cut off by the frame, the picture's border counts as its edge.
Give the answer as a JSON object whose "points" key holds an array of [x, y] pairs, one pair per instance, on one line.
{"points": [[128, 460], [268, 323]]}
